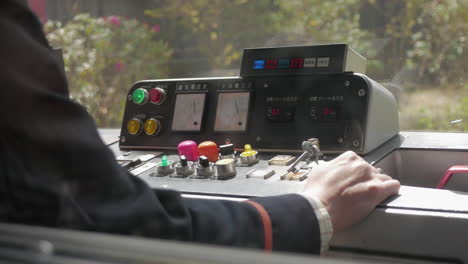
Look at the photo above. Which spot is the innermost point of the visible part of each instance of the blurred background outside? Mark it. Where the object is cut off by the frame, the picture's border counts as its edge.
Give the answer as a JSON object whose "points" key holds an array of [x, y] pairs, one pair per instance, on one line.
{"points": [[416, 48]]}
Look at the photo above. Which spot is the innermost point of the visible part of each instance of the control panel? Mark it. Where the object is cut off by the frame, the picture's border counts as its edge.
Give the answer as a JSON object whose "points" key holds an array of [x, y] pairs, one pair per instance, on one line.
{"points": [[256, 134], [344, 111], [261, 133], [237, 129]]}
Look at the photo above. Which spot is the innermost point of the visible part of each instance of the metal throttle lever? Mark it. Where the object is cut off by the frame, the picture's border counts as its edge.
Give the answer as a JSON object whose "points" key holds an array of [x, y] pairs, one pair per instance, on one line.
{"points": [[311, 146], [311, 152]]}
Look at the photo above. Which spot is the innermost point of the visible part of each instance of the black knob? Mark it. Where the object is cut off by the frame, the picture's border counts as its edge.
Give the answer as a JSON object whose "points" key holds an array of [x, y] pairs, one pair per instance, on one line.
{"points": [[227, 149], [183, 161], [204, 162]]}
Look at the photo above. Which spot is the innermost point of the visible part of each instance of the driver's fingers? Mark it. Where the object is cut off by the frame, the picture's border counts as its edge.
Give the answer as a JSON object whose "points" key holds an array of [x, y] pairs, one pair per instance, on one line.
{"points": [[388, 188], [382, 177]]}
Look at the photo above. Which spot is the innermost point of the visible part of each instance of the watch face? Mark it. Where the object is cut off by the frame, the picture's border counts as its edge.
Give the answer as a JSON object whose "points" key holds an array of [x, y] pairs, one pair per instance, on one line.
{"points": [[232, 112], [188, 112]]}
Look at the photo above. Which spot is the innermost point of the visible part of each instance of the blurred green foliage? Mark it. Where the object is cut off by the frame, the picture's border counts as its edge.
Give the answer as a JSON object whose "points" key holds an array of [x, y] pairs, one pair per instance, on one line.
{"points": [[104, 57], [435, 35], [435, 110], [208, 36], [419, 45], [318, 21]]}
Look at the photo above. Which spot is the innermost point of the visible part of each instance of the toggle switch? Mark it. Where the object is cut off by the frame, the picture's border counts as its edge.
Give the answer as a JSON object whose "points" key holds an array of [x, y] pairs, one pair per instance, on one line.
{"points": [[203, 161], [165, 167], [208, 149], [183, 161], [249, 156], [226, 168], [227, 152], [205, 168], [184, 168], [131, 164], [188, 149]]}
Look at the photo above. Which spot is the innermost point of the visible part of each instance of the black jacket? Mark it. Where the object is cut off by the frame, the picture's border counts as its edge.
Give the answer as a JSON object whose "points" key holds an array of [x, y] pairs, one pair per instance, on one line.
{"points": [[55, 171]]}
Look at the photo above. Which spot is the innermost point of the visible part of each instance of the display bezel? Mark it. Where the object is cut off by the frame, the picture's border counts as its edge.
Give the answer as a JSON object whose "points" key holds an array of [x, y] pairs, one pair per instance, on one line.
{"points": [[216, 128], [176, 113]]}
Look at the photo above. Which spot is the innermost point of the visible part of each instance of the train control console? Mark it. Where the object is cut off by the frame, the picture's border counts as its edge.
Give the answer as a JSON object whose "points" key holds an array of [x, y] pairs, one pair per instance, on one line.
{"points": [[292, 108], [272, 111]]}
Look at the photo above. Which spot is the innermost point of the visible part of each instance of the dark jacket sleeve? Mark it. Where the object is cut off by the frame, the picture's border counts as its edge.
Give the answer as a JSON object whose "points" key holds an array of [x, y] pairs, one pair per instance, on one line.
{"points": [[55, 170]]}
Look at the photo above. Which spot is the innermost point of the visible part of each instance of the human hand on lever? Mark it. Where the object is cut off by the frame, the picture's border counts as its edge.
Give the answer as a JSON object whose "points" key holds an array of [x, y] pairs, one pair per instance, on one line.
{"points": [[349, 188]]}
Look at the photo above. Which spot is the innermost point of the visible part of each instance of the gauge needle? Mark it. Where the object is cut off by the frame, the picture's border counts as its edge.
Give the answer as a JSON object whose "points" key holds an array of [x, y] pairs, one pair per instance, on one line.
{"points": [[194, 106], [237, 107]]}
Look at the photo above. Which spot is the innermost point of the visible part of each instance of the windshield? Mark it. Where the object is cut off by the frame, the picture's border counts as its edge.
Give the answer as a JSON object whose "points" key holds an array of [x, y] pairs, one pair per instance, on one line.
{"points": [[234, 160], [416, 49]]}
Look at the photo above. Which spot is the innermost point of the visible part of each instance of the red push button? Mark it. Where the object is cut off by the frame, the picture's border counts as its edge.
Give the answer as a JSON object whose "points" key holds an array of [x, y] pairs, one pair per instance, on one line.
{"points": [[208, 149]]}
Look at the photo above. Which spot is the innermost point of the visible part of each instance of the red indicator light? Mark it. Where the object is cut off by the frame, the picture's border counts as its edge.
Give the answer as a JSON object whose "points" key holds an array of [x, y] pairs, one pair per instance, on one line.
{"points": [[275, 111], [271, 64], [297, 63], [157, 95]]}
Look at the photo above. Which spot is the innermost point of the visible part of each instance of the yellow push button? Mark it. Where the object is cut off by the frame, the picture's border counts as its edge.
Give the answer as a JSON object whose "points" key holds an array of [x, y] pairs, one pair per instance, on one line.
{"points": [[152, 126], [134, 126], [248, 151], [249, 156]]}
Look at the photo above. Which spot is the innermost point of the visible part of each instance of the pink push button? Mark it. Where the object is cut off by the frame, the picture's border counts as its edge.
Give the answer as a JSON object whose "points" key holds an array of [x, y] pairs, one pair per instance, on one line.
{"points": [[189, 149]]}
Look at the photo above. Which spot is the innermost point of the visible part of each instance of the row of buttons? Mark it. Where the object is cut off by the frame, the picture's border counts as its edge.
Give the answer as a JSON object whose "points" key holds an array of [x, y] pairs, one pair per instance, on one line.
{"points": [[210, 161], [295, 63]]}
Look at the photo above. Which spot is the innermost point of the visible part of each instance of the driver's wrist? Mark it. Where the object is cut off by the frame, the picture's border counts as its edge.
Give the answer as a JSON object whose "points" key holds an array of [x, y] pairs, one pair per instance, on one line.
{"points": [[325, 223]]}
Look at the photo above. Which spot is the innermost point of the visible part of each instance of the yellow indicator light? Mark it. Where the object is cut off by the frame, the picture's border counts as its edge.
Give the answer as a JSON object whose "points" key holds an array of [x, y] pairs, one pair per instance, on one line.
{"points": [[134, 126], [151, 126], [248, 151]]}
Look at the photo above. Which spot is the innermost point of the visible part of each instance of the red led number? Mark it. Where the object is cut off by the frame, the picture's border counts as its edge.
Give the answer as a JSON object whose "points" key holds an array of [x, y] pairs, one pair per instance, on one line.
{"points": [[271, 64], [297, 63], [327, 111], [275, 111]]}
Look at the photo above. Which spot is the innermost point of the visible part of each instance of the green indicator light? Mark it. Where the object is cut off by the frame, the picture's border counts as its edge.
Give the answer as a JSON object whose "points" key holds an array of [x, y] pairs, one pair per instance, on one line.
{"points": [[164, 161], [140, 96]]}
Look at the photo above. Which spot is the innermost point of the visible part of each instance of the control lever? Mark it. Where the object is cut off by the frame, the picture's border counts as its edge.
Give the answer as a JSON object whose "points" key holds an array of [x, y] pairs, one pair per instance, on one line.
{"points": [[448, 175], [311, 152]]}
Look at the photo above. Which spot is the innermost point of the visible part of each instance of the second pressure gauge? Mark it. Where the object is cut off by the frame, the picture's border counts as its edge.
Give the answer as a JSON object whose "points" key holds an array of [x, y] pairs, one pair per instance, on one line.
{"points": [[232, 111]]}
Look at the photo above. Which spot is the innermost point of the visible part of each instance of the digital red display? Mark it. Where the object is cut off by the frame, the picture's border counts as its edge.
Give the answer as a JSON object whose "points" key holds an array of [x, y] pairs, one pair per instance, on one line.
{"points": [[328, 111], [275, 111], [297, 63], [271, 64]]}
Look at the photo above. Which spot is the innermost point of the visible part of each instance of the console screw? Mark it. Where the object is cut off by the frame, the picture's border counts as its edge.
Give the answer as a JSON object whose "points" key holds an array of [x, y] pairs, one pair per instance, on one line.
{"points": [[356, 143]]}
